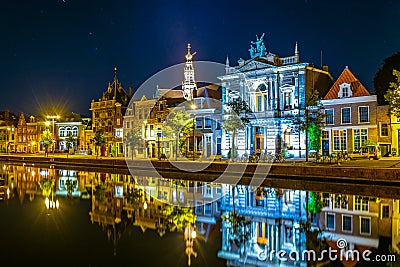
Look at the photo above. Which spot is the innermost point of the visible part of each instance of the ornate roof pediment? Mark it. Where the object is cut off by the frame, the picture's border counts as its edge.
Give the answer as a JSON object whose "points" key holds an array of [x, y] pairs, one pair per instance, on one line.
{"points": [[255, 65]]}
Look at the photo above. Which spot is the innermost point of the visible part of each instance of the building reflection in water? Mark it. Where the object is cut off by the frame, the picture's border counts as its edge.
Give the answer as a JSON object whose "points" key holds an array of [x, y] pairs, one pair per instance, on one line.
{"points": [[254, 221]]}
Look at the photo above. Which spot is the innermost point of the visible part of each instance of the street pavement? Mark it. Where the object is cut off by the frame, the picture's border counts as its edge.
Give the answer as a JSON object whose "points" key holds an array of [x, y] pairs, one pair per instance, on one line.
{"points": [[384, 162]]}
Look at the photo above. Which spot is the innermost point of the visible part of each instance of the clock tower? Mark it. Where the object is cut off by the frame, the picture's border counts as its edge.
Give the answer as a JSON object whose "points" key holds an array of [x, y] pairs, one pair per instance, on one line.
{"points": [[189, 87]]}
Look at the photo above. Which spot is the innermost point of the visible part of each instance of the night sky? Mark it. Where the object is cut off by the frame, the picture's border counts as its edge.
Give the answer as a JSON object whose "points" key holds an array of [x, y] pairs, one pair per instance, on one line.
{"points": [[62, 53]]}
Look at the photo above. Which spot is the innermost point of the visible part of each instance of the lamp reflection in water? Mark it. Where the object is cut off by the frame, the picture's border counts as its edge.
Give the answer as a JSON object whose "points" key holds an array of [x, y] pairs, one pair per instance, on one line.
{"points": [[190, 235], [51, 204]]}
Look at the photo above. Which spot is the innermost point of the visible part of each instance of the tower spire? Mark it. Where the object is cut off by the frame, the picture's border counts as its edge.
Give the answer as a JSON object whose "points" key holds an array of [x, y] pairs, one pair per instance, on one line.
{"points": [[189, 87], [296, 53], [227, 64]]}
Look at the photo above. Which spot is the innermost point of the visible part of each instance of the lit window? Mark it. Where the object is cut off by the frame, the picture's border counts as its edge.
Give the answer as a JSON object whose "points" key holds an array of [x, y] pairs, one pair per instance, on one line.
{"points": [[339, 140], [207, 209], [363, 114], [330, 221], [341, 201], [346, 118], [347, 223], [361, 203], [207, 122], [329, 116], [199, 123], [365, 225], [385, 212], [384, 129], [259, 103], [360, 136]]}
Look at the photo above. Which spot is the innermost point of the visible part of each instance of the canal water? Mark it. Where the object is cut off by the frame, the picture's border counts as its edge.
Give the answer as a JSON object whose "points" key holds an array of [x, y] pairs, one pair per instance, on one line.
{"points": [[101, 218]]}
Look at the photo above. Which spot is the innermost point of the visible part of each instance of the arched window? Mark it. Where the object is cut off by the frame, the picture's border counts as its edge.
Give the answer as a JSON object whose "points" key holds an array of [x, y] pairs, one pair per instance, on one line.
{"points": [[74, 131], [68, 131], [61, 131]]}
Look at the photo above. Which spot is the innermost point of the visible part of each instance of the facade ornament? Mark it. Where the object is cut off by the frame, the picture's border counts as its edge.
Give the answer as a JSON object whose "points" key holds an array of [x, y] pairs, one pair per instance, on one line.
{"points": [[259, 50]]}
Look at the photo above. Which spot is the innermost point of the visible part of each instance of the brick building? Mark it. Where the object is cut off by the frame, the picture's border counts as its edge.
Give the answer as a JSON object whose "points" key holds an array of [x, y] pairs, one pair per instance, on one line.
{"points": [[353, 117]]}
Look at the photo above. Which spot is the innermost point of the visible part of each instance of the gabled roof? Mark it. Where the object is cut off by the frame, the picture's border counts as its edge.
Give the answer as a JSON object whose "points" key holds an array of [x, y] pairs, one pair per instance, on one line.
{"points": [[347, 77], [116, 92]]}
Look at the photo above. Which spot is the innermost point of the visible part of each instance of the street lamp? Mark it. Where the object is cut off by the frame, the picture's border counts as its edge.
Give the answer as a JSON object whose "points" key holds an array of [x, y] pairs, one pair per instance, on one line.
{"points": [[158, 143], [144, 138], [52, 117], [8, 140], [193, 106]]}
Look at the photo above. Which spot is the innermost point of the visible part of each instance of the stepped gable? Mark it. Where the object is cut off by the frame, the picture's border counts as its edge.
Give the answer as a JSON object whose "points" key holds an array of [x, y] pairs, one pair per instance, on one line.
{"points": [[356, 86]]}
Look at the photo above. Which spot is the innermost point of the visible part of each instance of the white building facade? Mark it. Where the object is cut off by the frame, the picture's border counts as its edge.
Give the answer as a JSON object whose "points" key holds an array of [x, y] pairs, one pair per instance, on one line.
{"points": [[274, 88]]}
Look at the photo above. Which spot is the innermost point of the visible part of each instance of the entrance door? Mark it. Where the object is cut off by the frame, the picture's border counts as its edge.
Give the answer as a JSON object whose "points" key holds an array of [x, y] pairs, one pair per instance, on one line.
{"points": [[208, 145], [325, 147], [259, 138]]}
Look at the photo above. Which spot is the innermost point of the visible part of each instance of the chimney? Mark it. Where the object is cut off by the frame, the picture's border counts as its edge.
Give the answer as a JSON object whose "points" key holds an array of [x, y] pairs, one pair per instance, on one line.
{"points": [[325, 68]]}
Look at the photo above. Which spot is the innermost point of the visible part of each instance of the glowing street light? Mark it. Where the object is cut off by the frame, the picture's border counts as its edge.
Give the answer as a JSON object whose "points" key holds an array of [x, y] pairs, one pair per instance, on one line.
{"points": [[52, 117]]}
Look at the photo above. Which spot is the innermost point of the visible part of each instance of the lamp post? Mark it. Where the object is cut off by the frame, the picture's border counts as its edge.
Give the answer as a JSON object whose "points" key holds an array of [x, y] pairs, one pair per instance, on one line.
{"points": [[53, 117], [193, 106], [8, 140], [144, 138], [158, 143]]}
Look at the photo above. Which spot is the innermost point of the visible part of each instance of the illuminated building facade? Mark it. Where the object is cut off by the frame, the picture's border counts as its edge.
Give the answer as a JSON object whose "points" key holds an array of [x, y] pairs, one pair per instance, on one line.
{"points": [[274, 217], [107, 114], [353, 117], [360, 220], [274, 87]]}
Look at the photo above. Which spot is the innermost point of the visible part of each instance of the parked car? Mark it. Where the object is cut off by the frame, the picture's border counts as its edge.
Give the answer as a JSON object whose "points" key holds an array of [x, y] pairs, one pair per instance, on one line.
{"points": [[366, 152]]}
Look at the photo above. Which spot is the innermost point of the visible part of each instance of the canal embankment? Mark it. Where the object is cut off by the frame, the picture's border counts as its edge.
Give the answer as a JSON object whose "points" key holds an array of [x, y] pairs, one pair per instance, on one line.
{"points": [[220, 169]]}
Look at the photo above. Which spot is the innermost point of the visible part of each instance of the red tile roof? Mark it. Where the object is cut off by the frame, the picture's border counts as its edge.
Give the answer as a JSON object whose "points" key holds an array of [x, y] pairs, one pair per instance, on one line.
{"points": [[347, 77]]}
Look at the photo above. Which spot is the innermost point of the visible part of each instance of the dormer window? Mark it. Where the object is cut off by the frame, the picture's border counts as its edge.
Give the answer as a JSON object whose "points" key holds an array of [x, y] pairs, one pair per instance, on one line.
{"points": [[345, 90]]}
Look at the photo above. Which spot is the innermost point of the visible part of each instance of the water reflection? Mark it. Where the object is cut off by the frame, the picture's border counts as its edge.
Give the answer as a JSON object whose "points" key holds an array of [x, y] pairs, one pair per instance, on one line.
{"points": [[255, 226]]}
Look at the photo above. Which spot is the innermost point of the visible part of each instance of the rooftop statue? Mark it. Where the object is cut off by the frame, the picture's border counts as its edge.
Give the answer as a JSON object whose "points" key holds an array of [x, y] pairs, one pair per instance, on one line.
{"points": [[259, 50]]}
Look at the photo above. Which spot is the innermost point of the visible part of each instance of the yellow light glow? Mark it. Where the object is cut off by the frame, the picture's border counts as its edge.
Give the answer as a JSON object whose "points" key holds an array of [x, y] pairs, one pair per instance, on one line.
{"points": [[193, 106], [47, 202], [194, 234], [47, 123], [145, 205], [57, 204]]}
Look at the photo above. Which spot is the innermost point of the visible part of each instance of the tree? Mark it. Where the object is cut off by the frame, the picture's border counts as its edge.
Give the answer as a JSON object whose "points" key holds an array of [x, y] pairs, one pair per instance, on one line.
{"points": [[236, 120], [133, 139], [99, 140], [179, 217], [69, 143], [238, 228], [46, 185], [311, 119], [315, 134], [314, 205], [392, 95], [47, 140], [384, 77], [175, 124], [70, 187]]}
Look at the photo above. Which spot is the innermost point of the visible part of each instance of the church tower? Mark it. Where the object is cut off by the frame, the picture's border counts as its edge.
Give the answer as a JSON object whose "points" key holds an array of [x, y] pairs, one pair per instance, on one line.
{"points": [[189, 87]]}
